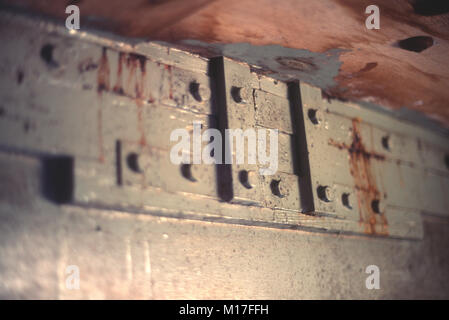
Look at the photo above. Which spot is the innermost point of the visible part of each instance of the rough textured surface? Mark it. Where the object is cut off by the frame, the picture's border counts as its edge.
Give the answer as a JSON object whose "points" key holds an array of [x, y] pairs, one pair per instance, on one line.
{"points": [[129, 103], [123, 252], [124, 255], [374, 67]]}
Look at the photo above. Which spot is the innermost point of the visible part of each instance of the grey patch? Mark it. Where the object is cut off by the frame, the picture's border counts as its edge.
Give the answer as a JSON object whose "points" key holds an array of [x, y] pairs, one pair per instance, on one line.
{"points": [[285, 64]]}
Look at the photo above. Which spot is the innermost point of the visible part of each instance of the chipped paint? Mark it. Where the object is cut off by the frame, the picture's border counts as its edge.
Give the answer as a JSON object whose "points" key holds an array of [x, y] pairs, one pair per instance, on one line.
{"points": [[282, 63]]}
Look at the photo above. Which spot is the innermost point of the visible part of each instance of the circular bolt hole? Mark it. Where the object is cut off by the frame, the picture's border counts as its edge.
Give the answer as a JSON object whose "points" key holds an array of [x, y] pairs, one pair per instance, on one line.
{"points": [[324, 193], [446, 161], [312, 114], [47, 55], [275, 188], [132, 160], [386, 143], [375, 205], [416, 44], [246, 178], [345, 200], [186, 171], [236, 94], [194, 89]]}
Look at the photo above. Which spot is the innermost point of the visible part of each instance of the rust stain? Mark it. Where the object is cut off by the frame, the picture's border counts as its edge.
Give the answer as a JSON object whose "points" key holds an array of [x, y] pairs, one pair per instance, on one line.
{"points": [[118, 88], [103, 73], [368, 195], [131, 65], [134, 87], [135, 61], [135, 84], [170, 79], [292, 24], [103, 77]]}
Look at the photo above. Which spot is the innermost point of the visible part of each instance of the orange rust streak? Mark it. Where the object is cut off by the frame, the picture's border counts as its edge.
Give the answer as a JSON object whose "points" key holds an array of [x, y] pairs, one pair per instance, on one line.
{"points": [[103, 73], [170, 76], [139, 88], [132, 65], [365, 182], [118, 88], [102, 85]]}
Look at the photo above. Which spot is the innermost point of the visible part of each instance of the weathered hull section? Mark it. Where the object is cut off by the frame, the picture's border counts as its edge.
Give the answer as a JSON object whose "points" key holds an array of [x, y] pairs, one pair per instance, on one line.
{"points": [[85, 125]]}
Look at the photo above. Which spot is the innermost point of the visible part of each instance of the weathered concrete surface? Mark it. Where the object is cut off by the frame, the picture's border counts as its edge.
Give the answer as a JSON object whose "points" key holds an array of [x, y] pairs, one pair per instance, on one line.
{"points": [[123, 255]]}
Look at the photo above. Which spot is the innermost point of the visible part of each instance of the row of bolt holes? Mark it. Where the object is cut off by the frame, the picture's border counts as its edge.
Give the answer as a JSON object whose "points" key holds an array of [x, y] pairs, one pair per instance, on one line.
{"points": [[375, 204], [132, 161], [194, 89], [274, 186], [312, 114], [186, 169], [186, 172]]}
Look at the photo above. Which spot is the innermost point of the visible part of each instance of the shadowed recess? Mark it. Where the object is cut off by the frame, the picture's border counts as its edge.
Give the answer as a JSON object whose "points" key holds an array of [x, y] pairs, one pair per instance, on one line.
{"points": [[430, 7], [416, 44]]}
